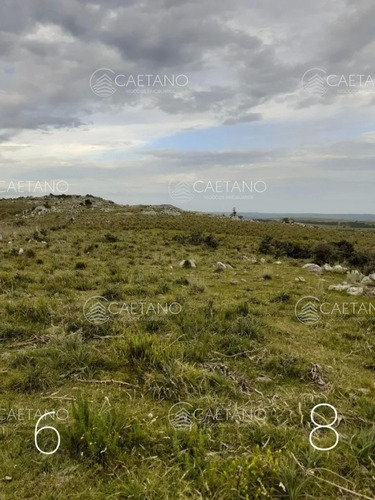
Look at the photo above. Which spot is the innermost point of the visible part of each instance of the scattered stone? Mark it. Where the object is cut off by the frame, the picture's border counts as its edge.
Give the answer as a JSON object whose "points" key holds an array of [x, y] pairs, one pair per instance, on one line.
{"points": [[366, 280], [220, 265], [327, 267], [339, 269], [264, 379], [20, 251], [339, 288], [40, 209], [262, 260], [302, 280], [188, 264], [312, 268], [277, 262], [355, 290]]}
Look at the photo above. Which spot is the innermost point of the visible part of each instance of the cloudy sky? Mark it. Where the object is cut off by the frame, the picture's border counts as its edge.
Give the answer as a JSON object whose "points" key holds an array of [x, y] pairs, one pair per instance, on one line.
{"points": [[279, 93]]}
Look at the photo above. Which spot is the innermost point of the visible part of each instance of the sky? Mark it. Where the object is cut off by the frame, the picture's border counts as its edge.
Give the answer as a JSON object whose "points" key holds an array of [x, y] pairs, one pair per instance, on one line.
{"points": [[266, 106]]}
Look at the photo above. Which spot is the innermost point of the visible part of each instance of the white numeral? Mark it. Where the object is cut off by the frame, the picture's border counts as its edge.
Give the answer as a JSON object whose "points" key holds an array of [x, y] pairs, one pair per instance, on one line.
{"points": [[36, 432], [329, 426]]}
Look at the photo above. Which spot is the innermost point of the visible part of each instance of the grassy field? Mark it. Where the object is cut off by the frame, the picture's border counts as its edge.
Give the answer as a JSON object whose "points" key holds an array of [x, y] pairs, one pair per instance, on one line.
{"points": [[234, 345]]}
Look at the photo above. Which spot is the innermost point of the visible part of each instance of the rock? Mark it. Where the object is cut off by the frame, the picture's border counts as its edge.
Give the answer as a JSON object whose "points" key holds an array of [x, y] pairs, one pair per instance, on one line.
{"points": [[300, 279], [312, 268], [262, 260], [20, 251], [278, 262], [234, 282], [327, 267], [366, 280], [339, 288], [264, 379], [220, 265], [187, 264], [339, 269], [355, 290], [372, 277], [41, 210]]}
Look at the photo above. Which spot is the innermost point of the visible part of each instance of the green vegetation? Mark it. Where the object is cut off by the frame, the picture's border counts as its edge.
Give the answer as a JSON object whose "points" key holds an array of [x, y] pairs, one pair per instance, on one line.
{"points": [[235, 344]]}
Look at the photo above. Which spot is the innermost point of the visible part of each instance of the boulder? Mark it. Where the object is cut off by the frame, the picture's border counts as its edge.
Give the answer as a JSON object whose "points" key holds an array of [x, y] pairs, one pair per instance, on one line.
{"points": [[220, 266], [312, 268], [339, 288], [20, 251], [278, 262], [339, 269], [355, 290], [188, 264], [327, 267], [366, 280], [372, 277]]}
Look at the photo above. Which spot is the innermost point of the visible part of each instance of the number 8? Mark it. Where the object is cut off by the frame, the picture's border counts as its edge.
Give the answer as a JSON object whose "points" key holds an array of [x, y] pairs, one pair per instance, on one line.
{"points": [[323, 427]]}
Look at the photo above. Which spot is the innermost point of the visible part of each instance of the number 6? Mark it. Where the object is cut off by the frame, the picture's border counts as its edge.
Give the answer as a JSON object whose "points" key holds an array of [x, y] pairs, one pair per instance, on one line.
{"points": [[36, 432], [323, 427]]}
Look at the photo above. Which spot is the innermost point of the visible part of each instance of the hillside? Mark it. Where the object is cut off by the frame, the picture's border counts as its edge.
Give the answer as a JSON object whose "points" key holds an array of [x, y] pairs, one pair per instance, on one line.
{"points": [[111, 315]]}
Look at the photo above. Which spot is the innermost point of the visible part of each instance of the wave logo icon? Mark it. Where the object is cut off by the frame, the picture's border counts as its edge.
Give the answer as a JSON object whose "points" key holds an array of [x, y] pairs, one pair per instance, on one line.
{"points": [[314, 82], [95, 311], [101, 82], [307, 310], [181, 191], [179, 416]]}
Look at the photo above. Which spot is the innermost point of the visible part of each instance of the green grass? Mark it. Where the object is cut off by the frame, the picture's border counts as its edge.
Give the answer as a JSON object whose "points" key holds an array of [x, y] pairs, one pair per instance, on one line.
{"points": [[236, 343]]}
